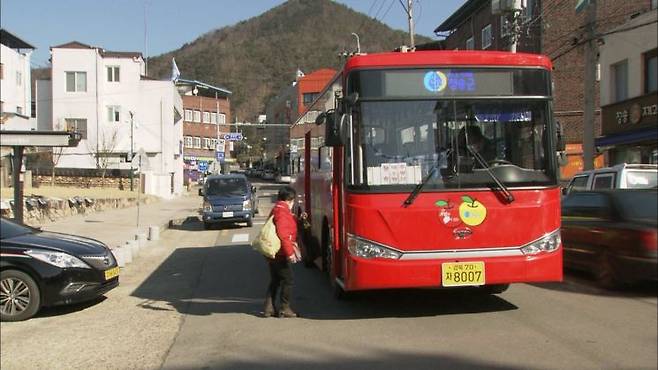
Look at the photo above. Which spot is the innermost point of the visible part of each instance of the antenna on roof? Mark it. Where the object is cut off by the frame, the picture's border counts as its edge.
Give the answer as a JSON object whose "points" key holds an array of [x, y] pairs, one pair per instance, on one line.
{"points": [[146, 54], [358, 43]]}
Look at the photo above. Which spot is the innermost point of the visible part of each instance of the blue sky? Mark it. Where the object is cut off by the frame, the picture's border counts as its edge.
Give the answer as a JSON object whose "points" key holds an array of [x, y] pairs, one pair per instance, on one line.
{"points": [[119, 24]]}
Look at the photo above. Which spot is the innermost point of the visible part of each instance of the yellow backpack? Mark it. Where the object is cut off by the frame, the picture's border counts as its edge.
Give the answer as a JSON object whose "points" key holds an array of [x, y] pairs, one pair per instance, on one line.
{"points": [[267, 242]]}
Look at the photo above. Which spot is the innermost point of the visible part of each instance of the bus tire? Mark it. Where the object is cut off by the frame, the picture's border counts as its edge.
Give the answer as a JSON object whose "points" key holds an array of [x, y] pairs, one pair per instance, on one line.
{"points": [[495, 288]]}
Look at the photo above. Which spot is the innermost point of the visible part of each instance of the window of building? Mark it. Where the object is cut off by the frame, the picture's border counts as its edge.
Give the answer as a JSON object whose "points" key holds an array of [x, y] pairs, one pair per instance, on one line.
{"points": [[221, 118], [188, 141], [19, 78], [206, 143], [197, 142], [113, 113], [213, 117], [206, 117], [78, 125], [213, 144], [19, 110], [309, 97], [197, 116], [650, 71], [76, 81], [470, 43], [486, 36], [188, 115], [113, 74], [620, 81]]}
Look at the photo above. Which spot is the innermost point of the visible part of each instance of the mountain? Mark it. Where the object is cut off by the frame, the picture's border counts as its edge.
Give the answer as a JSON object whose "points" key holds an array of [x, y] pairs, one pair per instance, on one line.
{"points": [[257, 57]]}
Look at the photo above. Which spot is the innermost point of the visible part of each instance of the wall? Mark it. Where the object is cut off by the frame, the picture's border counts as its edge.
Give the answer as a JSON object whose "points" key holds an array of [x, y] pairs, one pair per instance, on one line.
{"points": [[630, 45], [12, 94]]}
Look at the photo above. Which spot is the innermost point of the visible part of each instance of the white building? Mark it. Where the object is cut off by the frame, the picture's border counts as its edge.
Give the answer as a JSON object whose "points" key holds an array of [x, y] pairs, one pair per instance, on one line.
{"points": [[629, 91], [15, 86], [105, 96]]}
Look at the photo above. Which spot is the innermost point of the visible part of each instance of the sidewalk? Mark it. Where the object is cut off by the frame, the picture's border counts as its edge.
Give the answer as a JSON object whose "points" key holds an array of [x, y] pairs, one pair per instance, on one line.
{"points": [[117, 226]]}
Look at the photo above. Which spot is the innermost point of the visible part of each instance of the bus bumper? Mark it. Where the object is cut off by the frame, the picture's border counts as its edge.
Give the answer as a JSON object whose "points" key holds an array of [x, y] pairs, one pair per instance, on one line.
{"points": [[364, 274]]}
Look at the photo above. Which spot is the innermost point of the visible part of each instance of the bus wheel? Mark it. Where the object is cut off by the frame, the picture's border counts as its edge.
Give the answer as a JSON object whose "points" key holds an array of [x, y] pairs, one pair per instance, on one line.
{"points": [[495, 288], [327, 255]]}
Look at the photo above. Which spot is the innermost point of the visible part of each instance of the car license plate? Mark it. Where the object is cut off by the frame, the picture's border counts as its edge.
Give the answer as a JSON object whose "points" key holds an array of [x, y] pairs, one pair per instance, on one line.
{"points": [[462, 273], [227, 214], [112, 273]]}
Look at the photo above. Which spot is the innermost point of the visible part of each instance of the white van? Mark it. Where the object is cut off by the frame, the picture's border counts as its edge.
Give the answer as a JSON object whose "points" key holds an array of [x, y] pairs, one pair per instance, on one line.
{"points": [[621, 176]]}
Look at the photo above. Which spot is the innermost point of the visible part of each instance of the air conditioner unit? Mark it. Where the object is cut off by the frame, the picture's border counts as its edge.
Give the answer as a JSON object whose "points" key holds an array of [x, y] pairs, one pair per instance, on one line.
{"points": [[505, 6]]}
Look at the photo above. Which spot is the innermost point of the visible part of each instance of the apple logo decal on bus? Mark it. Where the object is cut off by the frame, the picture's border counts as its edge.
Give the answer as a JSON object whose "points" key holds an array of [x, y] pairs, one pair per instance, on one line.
{"points": [[435, 81], [470, 212]]}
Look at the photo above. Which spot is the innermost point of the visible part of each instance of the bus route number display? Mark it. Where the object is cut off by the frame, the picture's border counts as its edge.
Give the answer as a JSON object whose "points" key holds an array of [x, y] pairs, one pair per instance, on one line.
{"points": [[437, 81]]}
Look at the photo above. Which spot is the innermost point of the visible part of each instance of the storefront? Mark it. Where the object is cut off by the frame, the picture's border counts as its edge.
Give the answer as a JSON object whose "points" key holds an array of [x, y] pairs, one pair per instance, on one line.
{"points": [[630, 131], [196, 167]]}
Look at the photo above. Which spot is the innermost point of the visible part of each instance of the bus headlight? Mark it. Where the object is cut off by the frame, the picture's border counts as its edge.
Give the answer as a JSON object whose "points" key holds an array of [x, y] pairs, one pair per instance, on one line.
{"points": [[246, 205], [548, 243], [367, 249], [207, 207]]}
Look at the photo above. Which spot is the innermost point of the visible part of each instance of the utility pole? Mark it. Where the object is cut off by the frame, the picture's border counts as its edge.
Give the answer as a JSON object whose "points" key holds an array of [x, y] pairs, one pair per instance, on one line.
{"points": [[410, 16], [132, 150], [591, 52], [217, 164], [515, 29]]}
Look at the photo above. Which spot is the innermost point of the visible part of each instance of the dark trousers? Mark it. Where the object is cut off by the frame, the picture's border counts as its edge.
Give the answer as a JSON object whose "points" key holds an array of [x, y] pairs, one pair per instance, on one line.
{"points": [[280, 279]]}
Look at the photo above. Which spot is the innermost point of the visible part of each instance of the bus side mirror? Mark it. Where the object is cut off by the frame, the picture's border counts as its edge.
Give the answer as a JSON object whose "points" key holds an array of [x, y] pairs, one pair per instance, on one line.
{"points": [[331, 128], [561, 145]]}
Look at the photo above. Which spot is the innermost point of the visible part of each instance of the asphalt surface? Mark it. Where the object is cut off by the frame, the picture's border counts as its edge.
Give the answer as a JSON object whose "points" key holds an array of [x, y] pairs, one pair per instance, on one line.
{"points": [[193, 301]]}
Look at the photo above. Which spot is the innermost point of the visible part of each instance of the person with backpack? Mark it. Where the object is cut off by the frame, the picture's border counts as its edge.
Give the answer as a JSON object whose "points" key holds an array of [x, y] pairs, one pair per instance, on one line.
{"points": [[281, 276]]}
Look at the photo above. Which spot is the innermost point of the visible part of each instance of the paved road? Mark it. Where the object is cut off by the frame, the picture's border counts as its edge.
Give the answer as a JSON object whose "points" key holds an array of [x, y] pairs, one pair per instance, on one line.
{"points": [[193, 301]]}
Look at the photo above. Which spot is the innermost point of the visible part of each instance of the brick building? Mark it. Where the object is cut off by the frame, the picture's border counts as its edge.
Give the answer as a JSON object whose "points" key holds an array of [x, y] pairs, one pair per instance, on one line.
{"points": [[207, 109], [287, 107], [553, 28]]}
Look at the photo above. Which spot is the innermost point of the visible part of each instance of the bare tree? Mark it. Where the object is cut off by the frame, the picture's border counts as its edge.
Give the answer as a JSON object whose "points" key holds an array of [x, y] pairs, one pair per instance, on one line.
{"points": [[105, 150], [55, 156]]}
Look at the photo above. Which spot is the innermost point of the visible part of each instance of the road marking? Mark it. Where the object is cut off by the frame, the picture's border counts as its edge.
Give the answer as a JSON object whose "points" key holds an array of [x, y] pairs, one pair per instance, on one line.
{"points": [[259, 223], [224, 233], [240, 238]]}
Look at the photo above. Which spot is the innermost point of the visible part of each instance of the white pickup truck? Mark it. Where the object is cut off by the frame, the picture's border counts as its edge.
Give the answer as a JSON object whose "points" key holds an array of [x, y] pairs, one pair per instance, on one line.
{"points": [[621, 176]]}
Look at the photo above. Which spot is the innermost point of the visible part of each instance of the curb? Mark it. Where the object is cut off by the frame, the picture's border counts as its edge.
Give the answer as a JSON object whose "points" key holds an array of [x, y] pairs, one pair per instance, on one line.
{"points": [[129, 251]]}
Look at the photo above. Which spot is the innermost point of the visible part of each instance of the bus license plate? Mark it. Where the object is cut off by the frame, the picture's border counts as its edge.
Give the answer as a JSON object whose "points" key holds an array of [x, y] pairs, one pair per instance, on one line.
{"points": [[112, 273], [227, 214], [462, 273]]}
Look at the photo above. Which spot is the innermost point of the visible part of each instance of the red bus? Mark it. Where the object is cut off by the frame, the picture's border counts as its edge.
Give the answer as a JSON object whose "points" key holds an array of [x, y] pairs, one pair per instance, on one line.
{"points": [[432, 169]]}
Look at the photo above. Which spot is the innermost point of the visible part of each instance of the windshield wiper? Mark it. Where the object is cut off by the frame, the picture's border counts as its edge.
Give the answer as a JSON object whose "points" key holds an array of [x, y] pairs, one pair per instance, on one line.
{"points": [[506, 193], [414, 193]]}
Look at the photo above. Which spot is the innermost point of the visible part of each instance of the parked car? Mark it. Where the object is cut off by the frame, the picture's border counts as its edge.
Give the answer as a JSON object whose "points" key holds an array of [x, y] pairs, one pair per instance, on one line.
{"points": [[621, 176], [228, 199], [283, 179], [612, 234], [39, 269]]}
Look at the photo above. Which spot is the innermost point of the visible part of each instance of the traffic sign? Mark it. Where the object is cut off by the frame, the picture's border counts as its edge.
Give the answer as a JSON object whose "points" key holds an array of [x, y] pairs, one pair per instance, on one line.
{"points": [[233, 136], [220, 156], [220, 145]]}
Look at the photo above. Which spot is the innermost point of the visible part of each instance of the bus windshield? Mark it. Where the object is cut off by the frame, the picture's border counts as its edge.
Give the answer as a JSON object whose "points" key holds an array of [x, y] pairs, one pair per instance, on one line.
{"points": [[396, 144]]}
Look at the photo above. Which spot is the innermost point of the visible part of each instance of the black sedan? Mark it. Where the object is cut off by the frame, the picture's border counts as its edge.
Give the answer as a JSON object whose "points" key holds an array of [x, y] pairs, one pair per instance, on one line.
{"points": [[612, 234], [40, 269]]}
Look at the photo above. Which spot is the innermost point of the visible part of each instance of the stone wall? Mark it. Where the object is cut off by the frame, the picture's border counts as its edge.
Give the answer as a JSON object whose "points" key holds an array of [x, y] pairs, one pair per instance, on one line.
{"points": [[37, 213], [120, 183]]}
